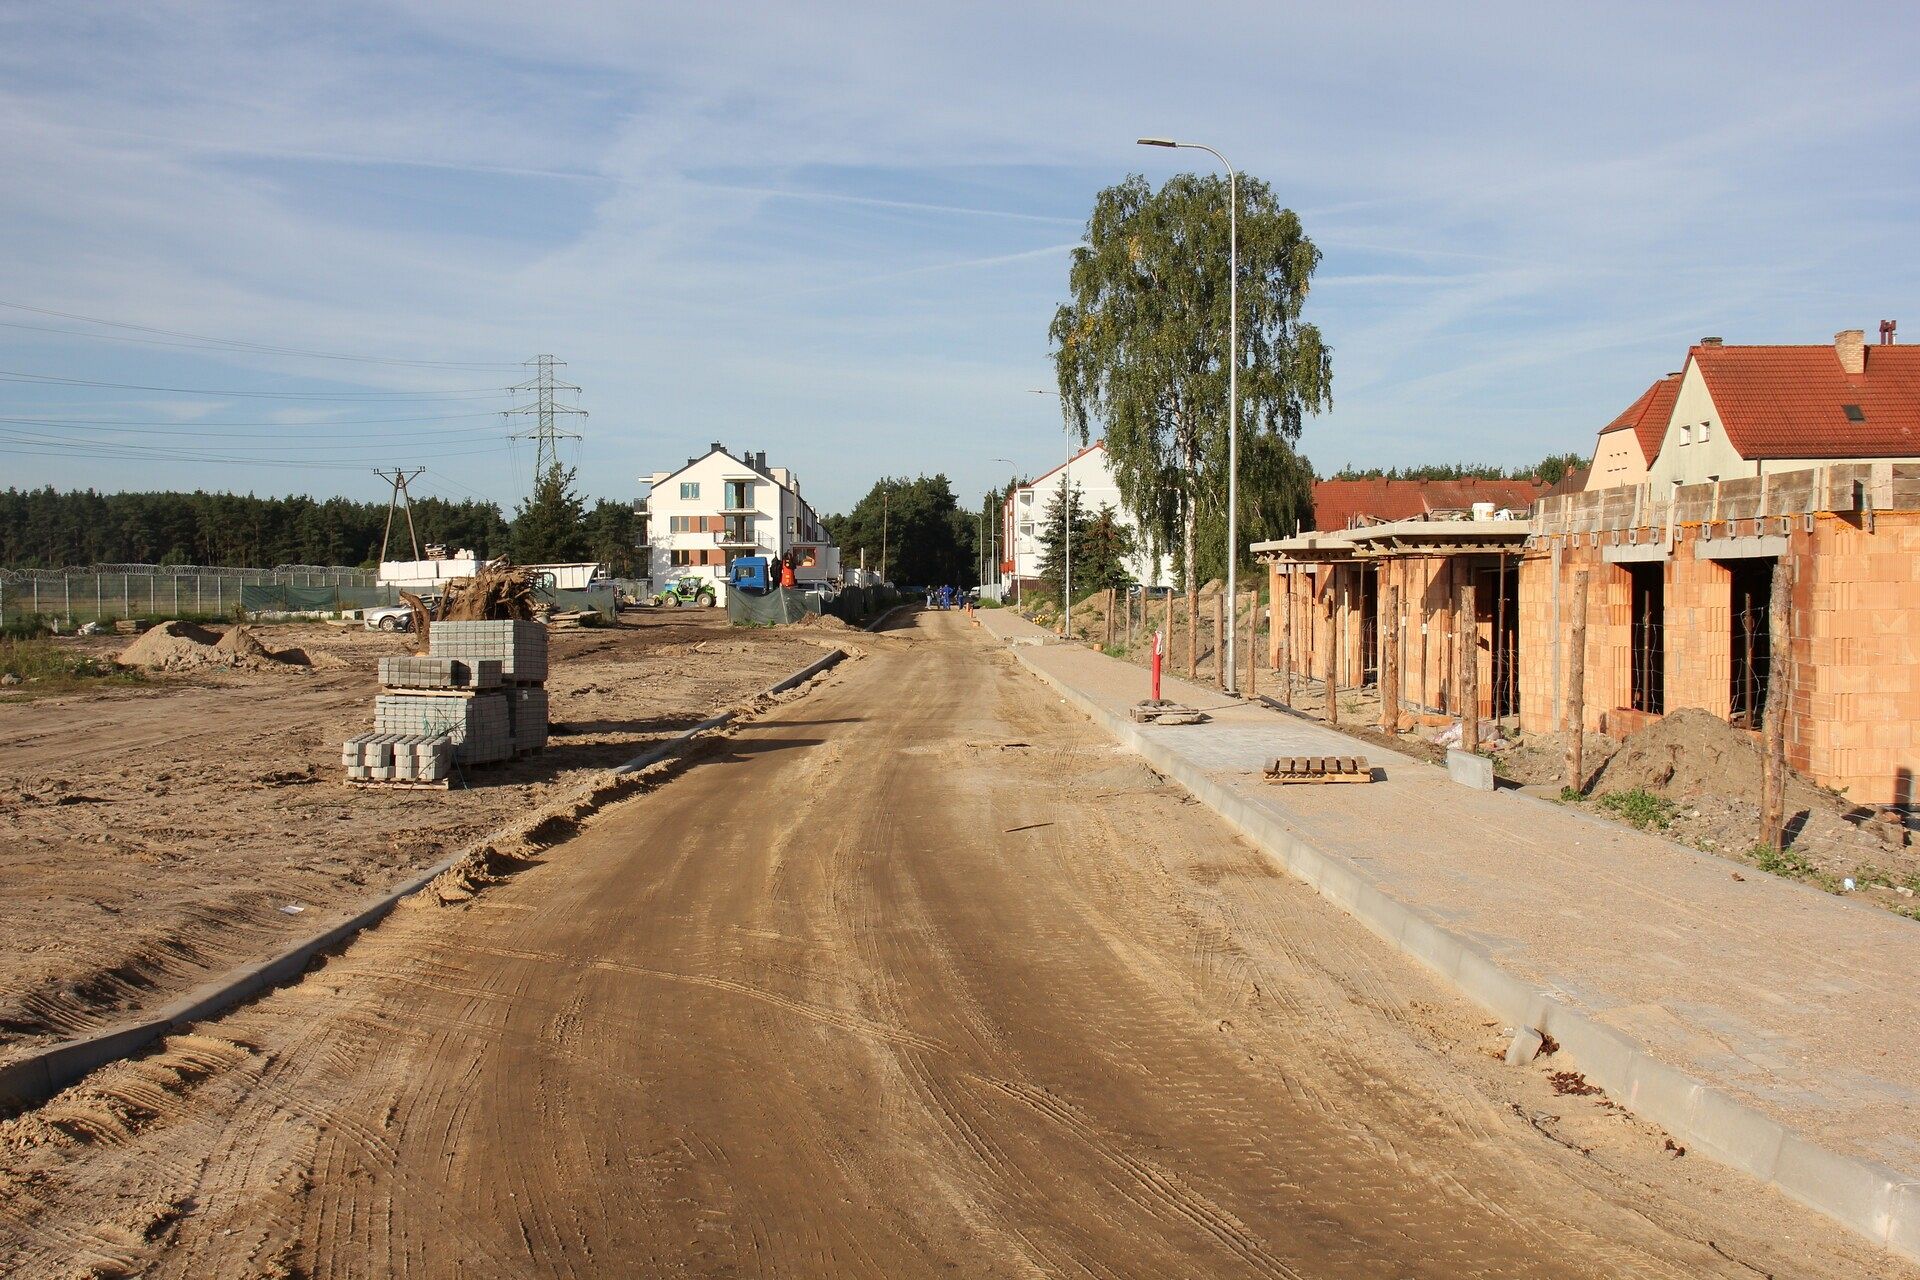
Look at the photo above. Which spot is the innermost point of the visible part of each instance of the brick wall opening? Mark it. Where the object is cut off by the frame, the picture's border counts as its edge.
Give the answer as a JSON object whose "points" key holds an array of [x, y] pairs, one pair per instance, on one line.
{"points": [[1647, 654], [1496, 604], [1369, 624], [1751, 626]]}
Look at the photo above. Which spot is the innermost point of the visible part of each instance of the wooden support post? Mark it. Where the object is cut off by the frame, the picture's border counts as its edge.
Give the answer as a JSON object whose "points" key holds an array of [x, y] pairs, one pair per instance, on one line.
{"points": [[1193, 637], [1576, 729], [1333, 650], [1773, 728], [1390, 663], [1469, 682], [1286, 638], [1219, 642], [1253, 636], [1111, 603]]}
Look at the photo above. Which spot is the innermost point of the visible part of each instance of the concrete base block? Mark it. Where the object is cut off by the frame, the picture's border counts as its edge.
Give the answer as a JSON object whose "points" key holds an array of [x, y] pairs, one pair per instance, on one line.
{"points": [[1470, 770], [1525, 1047]]}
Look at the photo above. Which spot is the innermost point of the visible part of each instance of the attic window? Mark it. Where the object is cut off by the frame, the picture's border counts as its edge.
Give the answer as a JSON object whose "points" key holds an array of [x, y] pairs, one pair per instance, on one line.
{"points": [[1854, 413]]}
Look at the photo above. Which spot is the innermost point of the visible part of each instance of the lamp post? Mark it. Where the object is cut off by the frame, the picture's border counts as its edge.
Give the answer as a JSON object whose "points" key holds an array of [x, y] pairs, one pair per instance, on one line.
{"points": [[1066, 530], [1233, 394], [999, 527]]}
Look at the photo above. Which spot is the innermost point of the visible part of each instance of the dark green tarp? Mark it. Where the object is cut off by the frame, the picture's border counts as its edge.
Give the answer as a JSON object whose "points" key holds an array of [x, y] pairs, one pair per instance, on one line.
{"points": [[280, 597], [772, 609]]}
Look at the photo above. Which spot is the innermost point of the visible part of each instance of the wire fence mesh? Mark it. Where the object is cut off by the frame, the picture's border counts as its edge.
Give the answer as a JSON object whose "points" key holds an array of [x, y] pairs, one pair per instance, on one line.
{"points": [[107, 592]]}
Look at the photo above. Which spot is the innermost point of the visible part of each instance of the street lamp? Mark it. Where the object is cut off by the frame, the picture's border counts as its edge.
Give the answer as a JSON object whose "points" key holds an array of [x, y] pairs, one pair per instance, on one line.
{"points": [[1233, 393], [1066, 529], [999, 527]]}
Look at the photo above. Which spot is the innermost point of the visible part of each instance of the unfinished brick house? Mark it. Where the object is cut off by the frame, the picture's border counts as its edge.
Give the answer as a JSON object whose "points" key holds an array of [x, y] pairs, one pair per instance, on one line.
{"points": [[1679, 575]]}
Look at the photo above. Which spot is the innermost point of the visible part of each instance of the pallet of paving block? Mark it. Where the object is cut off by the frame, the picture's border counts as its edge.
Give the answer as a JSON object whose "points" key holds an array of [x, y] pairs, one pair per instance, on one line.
{"points": [[1319, 769], [374, 784]]}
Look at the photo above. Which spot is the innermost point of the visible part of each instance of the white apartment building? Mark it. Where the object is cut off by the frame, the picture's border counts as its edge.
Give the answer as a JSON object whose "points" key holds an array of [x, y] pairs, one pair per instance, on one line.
{"points": [[719, 507], [1090, 473]]}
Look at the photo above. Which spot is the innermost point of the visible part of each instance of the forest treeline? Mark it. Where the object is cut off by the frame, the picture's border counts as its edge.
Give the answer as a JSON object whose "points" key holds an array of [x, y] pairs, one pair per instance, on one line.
{"points": [[48, 529]]}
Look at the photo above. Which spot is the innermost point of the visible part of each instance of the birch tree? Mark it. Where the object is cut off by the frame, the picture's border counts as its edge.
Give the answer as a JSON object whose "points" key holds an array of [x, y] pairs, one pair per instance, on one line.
{"points": [[1140, 352]]}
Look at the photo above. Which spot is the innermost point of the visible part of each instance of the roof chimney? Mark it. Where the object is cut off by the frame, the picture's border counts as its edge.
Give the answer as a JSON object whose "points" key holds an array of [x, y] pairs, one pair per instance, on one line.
{"points": [[1851, 346], [1709, 342], [1886, 332]]}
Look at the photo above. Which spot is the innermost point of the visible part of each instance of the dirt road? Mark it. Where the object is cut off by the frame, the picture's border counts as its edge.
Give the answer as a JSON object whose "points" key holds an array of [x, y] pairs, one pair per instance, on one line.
{"points": [[918, 975], [150, 836]]}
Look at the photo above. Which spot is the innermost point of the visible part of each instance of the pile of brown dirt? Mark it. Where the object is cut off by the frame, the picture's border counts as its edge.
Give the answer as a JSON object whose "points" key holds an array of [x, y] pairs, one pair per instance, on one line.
{"points": [[824, 621], [1685, 753], [171, 646], [182, 646]]}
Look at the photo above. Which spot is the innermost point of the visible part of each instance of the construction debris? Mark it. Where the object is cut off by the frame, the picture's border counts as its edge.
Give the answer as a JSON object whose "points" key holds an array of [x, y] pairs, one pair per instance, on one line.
{"points": [[1165, 712], [1319, 769]]}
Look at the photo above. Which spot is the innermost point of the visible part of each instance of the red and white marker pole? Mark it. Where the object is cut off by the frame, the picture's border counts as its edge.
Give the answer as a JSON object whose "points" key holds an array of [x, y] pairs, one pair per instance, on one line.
{"points": [[1157, 650]]}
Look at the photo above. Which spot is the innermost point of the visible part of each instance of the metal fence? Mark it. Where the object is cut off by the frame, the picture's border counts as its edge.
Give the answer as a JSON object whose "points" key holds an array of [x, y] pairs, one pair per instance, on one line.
{"points": [[103, 592]]}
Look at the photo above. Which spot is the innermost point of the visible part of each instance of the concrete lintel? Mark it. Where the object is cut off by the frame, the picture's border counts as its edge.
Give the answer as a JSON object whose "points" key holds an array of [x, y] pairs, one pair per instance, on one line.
{"points": [[1635, 553], [1747, 548]]}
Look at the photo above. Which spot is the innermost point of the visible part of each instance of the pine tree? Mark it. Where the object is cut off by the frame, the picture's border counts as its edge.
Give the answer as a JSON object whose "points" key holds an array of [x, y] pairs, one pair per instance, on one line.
{"points": [[1101, 553], [550, 528], [1052, 532]]}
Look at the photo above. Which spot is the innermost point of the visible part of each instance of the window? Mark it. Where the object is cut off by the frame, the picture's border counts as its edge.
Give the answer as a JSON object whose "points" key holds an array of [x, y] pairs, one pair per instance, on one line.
{"points": [[738, 495], [1704, 428], [792, 524], [690, 489], [679, 559], [1686, 434]]}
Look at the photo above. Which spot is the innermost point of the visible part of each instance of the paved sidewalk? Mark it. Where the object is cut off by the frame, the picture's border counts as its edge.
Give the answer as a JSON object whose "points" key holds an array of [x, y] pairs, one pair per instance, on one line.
{"points": [[1693, 997]]}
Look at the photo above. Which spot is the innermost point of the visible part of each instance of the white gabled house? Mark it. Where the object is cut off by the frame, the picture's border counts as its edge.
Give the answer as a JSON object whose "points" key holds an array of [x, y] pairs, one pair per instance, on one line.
{"points": [[1025, 508], [719, 507]]}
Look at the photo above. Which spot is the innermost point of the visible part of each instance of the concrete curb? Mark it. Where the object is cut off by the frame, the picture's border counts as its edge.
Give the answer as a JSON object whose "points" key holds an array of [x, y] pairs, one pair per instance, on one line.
{"points": [[1869, 1198], [38, 1076]]}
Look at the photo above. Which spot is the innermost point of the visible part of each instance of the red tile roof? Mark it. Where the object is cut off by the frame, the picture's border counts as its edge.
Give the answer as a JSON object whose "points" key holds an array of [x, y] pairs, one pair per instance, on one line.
{"points": [[1790, 402], [1648, 416], [1337, 504]]}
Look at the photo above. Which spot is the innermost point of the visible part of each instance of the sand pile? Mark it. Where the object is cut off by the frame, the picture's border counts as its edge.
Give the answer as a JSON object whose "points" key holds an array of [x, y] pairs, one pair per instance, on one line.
{"points": [[182, 646], [824, 621], [171, 646]]}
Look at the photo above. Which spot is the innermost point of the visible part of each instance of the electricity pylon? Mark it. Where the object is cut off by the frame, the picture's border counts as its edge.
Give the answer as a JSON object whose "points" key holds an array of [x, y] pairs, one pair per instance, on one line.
{"points": [[545, 435]]}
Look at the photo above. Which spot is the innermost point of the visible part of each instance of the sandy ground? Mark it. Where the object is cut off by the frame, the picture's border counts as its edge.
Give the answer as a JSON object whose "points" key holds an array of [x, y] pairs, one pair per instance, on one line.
{"points": [[916, 975], [154, 833]]}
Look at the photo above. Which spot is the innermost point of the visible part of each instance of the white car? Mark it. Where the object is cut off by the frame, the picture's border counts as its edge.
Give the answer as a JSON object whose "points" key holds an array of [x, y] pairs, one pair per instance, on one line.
{"points": [[395, 617]]}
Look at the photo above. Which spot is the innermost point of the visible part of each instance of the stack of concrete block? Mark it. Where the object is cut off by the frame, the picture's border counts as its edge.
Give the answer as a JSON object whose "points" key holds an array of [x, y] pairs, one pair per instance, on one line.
{"points": [[398, 757], [519, 646], [440, 673], [527, 711], [478, 724]]}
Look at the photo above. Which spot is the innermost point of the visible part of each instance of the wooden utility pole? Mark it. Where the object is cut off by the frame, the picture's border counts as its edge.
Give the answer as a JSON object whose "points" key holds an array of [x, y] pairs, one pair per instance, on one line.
{"points": [[1333, 650], [1773, 775], [1108, 644], [1577, 686], [1167, 654], [1219, 642], [1469, 669], [1390, 663]]}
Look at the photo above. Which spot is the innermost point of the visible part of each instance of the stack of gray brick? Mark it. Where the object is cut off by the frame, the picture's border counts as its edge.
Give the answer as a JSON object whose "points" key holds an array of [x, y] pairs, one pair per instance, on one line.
{"points": [[440, 673], [398, 757], [527, 708], [519, 645], [478, 726]]}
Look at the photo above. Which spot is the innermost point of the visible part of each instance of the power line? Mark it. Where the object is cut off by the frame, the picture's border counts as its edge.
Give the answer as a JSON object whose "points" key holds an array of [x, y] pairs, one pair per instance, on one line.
{"points": [[211, 431], [317, 422], [237, 344], [456, 393]]}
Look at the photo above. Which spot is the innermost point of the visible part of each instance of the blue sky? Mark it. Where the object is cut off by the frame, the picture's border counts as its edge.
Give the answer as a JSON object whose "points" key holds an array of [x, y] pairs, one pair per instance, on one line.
{"points": [[837, 233]]}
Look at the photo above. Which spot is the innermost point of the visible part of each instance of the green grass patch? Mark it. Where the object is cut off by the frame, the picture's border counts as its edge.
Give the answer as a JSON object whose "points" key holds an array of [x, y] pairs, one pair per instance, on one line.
{"points": [[1640, 808], [45, 668]]}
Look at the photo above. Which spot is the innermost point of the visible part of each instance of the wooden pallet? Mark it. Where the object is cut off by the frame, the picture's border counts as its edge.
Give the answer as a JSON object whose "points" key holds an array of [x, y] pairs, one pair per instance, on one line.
{"points": [[408, 692], [1319, 769], [370, 784]]}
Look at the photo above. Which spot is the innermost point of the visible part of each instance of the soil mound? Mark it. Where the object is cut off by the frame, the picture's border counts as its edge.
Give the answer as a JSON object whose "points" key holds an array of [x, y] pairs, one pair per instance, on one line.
{"points": [[240, 645], [171, 646], [1689, 752], [824, 622]]}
